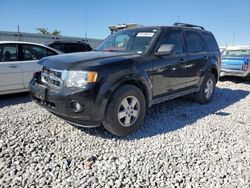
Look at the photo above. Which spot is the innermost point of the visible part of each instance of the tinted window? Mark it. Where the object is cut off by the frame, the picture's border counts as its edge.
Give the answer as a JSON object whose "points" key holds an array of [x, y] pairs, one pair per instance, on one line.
{"points": [[56, 46], [194, 42], [85, 47], [50, 52], [8, 52], [33, 52], [172, 37], [71, 47], [210, 42]]}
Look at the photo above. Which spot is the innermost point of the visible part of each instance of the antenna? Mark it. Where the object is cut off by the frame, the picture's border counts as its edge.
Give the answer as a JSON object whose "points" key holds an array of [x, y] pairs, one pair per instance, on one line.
{"points": [[86, 28], [233, 38]]}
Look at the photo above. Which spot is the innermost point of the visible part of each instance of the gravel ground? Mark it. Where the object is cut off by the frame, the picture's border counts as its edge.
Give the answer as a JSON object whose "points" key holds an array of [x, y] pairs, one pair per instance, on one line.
{"points": [[181, 144]]}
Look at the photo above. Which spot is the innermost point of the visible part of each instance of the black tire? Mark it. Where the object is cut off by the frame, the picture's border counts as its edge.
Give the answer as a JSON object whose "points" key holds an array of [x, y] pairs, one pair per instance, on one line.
{"points": [[122, 95], [247, 78], [201, 96]]}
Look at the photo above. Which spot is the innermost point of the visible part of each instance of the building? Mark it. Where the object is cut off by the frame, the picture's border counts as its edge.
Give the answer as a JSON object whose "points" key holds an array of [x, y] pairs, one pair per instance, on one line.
{"points": [[39, 38]]}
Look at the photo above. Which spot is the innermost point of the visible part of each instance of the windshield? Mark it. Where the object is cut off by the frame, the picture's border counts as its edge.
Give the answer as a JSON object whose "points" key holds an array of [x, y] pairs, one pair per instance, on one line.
{"points": [[130, 41], [236, 53]]}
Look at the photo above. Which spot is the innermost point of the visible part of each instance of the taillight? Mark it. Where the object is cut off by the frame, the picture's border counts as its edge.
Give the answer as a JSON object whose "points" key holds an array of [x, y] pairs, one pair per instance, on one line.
{"points": [[245, 66]]}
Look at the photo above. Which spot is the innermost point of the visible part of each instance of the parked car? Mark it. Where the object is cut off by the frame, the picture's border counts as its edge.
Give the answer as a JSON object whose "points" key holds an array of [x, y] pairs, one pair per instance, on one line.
{"points": [[130, 71], [18, 62], [235, 62], [70, 46]]}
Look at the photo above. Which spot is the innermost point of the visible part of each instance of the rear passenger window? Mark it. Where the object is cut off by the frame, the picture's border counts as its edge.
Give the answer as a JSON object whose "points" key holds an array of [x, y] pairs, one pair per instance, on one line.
{"points": [[8, 52], [194, 42], [56, 46], [71, 47], [210, 42], [172, 37]]}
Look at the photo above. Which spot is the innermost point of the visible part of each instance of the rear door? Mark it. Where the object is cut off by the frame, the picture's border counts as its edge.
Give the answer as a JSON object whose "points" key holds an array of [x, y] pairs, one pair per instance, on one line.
{"points": [[30, 54], [197, 57], [168, 72], [10, 68]]}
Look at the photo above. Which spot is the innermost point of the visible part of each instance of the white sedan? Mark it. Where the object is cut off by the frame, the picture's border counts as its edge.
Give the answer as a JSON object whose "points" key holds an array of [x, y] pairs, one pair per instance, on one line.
{"points": [[18, 62]]}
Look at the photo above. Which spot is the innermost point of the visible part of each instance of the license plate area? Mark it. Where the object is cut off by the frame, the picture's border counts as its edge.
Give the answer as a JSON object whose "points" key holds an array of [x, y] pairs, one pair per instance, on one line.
{"points": [[41, 92]]}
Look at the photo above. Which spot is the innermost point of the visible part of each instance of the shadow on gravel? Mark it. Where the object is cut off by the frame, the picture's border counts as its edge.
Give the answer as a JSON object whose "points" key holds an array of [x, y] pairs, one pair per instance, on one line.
{"points": [[13, 99], [234, 79], [176, 114]]}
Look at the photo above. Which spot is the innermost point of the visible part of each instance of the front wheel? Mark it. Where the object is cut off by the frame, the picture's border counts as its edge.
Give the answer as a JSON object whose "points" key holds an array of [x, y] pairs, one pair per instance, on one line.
{"points": [[205, 94], [125, 111]]}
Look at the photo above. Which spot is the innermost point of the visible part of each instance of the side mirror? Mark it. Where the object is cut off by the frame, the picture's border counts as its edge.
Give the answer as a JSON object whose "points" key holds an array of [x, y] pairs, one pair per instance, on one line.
{"points": [[165, 49]]}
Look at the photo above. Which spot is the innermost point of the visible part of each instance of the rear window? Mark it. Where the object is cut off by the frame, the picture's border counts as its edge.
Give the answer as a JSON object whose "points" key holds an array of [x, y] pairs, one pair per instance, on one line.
{"points": [[194, 42], [210, 42], [236, 53]]}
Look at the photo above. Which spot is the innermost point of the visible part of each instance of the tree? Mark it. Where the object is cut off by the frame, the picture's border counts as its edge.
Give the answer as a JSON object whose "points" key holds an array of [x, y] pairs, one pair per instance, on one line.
{"points": [[55, 32], [44, 31]]}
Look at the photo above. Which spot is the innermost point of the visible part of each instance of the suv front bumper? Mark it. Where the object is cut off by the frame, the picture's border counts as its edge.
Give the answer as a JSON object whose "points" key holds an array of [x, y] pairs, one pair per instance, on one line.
{"points": [[63, 103]]}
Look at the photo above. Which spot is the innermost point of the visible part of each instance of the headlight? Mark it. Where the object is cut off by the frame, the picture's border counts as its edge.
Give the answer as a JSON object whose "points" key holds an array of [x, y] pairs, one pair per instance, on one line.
{"points": [[80, 78]]}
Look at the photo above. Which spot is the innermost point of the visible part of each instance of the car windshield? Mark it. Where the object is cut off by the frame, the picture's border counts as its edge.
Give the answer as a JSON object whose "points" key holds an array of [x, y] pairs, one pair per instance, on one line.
{"points": [[129, 41], [237, 53]]}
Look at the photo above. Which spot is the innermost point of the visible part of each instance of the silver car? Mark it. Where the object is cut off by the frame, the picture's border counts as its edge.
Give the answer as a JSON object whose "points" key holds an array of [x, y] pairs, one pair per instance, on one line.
{"points": [[18, 62]]}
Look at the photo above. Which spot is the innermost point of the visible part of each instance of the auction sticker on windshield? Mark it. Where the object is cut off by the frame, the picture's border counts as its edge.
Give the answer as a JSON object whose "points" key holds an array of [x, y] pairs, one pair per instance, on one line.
{"points": [[145, 34]]}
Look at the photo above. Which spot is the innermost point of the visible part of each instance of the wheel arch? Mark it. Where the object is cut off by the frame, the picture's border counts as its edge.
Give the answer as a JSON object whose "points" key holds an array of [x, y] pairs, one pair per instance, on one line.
{"points": [[140, 84]]}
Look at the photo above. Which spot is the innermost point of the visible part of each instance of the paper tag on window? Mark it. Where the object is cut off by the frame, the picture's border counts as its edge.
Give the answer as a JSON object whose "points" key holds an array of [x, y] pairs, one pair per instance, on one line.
{"points": [[145, 34]]}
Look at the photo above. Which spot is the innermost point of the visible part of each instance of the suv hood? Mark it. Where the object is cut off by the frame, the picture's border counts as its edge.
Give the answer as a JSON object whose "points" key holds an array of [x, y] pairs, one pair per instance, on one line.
{"points": [[84, 59]]}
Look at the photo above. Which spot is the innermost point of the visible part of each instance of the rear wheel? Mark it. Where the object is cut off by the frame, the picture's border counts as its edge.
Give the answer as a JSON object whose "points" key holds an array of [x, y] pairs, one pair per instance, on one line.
{"points": [[205, 94], [125, 111], [247, 78]]}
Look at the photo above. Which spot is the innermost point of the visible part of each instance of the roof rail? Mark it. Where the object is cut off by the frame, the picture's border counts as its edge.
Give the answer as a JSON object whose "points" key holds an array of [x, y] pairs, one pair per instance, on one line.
{"points": [[188, 25], [114, 28]]}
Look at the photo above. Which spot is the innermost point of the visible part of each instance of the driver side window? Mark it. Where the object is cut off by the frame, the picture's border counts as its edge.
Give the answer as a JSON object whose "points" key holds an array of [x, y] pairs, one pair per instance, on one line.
{"points": [[174, 38]]}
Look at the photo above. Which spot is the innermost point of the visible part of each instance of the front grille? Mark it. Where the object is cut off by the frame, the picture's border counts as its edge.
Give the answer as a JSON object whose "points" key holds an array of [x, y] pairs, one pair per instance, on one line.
{"points": [[52, 78]]}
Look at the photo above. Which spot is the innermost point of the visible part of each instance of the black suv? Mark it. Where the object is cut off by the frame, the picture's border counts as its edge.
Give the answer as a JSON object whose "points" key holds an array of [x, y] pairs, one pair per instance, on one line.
{"points": [[126, 74], [70, 46]]}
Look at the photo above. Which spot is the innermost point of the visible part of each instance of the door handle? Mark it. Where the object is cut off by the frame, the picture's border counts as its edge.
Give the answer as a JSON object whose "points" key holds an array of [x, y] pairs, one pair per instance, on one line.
{"points": [[182, 60], [13, 66]]}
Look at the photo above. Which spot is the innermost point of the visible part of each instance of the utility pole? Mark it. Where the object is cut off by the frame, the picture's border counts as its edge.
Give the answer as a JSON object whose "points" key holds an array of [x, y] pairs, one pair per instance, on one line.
{"points": [[18, 33]]}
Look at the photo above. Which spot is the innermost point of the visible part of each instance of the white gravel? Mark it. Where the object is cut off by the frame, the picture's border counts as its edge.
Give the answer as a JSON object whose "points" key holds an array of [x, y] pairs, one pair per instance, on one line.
{"points": [[181, 144]]}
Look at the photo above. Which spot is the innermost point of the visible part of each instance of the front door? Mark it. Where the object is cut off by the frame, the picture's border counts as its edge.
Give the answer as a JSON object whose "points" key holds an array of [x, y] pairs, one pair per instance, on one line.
{"points": [[169, 70]]}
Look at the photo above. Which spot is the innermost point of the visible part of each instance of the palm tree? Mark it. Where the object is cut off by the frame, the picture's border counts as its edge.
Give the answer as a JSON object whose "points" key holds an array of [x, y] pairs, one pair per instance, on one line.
{"points": [[55, 32], [43, 30]]}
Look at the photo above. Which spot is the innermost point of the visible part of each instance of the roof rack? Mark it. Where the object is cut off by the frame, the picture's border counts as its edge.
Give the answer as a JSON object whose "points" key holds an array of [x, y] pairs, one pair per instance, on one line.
{"points": [[188, 25], [114, 28]]}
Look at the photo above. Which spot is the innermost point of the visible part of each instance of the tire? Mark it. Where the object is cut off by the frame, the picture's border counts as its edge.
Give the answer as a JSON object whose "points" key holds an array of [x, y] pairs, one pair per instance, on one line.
{"points": [[205, 94], [247, 78], [120, 121]]}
